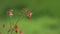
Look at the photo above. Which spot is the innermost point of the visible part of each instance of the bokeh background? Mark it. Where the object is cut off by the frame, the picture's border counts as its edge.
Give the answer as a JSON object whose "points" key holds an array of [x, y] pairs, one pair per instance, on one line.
{"points": [[45, 18]]}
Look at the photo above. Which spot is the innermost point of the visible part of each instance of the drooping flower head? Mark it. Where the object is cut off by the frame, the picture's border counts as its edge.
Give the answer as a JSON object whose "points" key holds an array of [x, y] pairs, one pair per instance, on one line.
{"points": [[10, 12], [29, 14], [16, 28], [21, 32]]}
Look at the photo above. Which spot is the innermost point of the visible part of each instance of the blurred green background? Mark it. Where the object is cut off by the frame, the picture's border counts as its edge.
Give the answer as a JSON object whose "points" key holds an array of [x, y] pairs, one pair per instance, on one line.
{"points": [[45, 18]]}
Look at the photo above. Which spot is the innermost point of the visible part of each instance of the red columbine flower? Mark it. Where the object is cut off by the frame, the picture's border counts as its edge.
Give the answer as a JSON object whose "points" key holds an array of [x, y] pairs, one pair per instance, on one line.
{"points": [[29, 14], [10, 12], [21, 32], [16, 28]]}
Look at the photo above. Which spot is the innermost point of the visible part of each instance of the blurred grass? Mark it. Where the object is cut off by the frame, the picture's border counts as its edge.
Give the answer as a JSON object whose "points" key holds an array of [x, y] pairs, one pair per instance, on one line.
{"points": [[45, 18]]}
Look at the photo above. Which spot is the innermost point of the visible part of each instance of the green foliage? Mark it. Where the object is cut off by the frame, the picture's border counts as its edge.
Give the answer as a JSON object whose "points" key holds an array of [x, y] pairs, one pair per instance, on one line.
{"points": [[45, 18]]}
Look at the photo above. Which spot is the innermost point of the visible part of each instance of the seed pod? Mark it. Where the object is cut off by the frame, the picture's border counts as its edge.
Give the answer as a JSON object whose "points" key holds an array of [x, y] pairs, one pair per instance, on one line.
{"points": [[16, 31], [3, 25]]}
